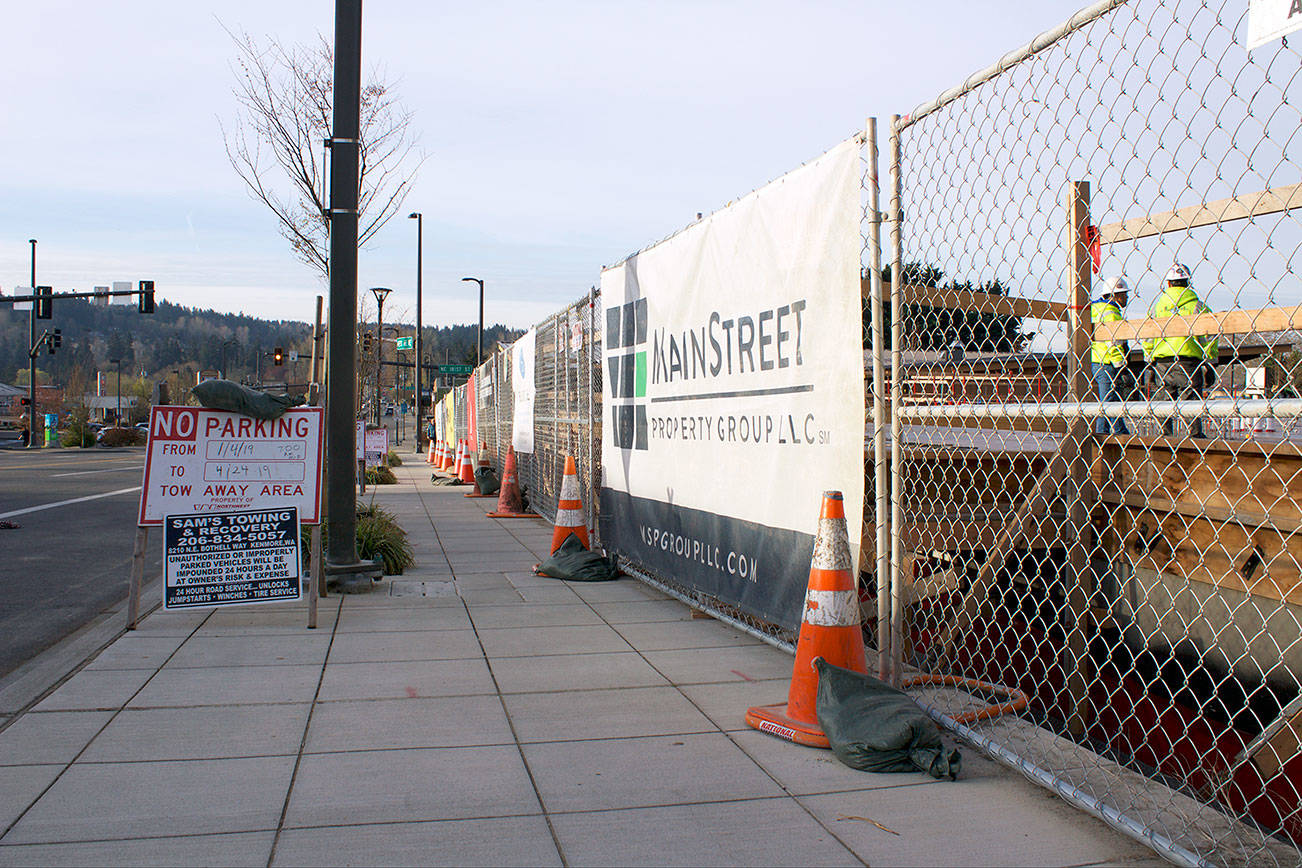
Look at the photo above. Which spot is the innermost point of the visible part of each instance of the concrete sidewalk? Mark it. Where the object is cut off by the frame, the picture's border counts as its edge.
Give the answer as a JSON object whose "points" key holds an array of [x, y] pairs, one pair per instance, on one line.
{"points": [[469, 712]]}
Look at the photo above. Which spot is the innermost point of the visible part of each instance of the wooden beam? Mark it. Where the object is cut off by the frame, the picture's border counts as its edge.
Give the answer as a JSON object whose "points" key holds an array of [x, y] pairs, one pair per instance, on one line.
{"points": [[981, 302], [1220, 211], [1230, 322], [1241, 517]]}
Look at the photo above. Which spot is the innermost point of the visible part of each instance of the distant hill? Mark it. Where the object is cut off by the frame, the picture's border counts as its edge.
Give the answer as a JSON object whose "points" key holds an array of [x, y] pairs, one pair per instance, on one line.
{"points": [[183, 339]]}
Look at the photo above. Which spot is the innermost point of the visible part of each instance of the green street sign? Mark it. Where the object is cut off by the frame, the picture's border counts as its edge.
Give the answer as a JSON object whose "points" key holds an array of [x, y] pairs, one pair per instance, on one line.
{"points": [[406, 344], [455, 369]]}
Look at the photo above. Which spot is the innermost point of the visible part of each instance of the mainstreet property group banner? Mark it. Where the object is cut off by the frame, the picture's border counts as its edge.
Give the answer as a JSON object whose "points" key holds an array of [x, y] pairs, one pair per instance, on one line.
{"points": [[734, 390]]}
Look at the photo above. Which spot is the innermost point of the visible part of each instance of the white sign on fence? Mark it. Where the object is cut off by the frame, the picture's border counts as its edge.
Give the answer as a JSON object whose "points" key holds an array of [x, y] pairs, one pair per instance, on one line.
{"points": [[1269, 20], [201, 460], [522, 365], [231, 558]]}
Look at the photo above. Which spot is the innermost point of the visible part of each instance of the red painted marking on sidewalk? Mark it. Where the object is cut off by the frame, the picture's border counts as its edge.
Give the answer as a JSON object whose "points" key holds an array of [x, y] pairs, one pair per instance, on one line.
{"points": [[411, 693], [741, 675]]}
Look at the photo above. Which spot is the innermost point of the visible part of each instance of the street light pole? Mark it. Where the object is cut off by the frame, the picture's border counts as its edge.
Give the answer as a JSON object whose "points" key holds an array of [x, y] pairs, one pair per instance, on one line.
{"points": [[31, 361], [479, 342], [420, 429], [381, 293]]}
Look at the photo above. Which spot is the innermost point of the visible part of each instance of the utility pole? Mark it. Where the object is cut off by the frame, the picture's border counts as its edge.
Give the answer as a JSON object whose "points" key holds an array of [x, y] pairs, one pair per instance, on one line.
{"points": [[31, 362], [343, 569], [420, 427]]}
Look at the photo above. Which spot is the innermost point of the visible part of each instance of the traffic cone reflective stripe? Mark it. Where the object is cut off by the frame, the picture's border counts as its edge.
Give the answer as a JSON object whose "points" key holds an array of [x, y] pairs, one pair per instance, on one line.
{"points": [[510, 503], [829, 629], [465, 471], [431, 455], [569, 509]]}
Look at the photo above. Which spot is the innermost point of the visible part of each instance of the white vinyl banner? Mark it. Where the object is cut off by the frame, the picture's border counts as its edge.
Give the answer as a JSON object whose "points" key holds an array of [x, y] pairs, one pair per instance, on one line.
{"points": [[522, 365], [1269, 20], [734, 386]]}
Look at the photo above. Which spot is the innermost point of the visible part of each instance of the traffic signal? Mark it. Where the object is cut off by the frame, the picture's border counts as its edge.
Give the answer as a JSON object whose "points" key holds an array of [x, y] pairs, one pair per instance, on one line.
{"points": [[24, 402], [57, 338], [146, 296], [278, 356], [44, 302], [367, 343]]}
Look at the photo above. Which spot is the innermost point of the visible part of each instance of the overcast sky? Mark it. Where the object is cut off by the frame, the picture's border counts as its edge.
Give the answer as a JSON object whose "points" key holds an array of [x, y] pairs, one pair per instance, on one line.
{"points": [[559, 136]]}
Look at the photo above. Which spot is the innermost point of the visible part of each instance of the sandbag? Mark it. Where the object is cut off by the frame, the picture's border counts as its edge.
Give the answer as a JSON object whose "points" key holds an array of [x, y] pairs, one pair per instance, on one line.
{"points": [[486, 479], [575, 563], [225, 395], [435, 479], [874, 727]]}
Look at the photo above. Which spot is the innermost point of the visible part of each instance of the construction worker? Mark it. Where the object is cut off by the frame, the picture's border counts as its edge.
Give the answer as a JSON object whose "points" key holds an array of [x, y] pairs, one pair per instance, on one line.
{"points": [[1108, 358], [1183, 367]]}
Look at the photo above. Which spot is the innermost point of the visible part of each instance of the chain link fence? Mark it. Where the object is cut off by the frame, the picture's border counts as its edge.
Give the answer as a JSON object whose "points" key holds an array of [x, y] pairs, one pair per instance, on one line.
{"points": [[1095, 511], [567, 408]]}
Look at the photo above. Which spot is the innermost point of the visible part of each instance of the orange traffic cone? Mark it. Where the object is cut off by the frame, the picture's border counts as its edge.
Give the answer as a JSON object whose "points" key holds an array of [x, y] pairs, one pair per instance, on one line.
{"points": [[569, 510], [448, 457], [466, 470], [510, 503], [454, 465], [429, 459], [830, 629]]}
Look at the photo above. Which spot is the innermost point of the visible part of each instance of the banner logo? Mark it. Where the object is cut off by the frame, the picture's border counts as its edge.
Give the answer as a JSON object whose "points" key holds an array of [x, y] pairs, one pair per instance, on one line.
{"points": [[626, 373]]}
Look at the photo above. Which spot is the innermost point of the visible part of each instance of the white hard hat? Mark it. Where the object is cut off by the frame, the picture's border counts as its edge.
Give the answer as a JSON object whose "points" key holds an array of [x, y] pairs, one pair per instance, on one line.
{"points": [[1177, 272], [1114, 285]]}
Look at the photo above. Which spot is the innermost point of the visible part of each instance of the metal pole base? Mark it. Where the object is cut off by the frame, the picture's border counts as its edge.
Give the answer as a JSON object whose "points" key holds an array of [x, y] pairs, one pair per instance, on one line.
{"points": [[358, 578]]}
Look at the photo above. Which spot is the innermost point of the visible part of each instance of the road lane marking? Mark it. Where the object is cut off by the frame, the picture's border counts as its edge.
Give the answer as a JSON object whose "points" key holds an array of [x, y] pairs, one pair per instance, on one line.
{"points": [[68, 502], [105, 470]]}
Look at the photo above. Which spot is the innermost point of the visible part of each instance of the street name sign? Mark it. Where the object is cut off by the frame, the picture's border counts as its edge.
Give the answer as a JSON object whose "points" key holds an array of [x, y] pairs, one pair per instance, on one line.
{"points": [[455, 369], [201, 461], [231, 558], [405, 344]]}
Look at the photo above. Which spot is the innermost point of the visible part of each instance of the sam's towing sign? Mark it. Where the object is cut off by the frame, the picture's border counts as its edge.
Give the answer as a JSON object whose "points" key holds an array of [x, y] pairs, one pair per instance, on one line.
{"points": [[211, 460], [228, 558]]}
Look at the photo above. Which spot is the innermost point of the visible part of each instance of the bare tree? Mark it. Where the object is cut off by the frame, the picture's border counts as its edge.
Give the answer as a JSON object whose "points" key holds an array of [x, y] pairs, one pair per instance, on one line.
{"points": [[277, 143]]}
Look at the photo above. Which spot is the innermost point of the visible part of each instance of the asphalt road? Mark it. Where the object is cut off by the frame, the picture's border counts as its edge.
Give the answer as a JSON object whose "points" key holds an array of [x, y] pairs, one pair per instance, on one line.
{"points": [[67, 562]]}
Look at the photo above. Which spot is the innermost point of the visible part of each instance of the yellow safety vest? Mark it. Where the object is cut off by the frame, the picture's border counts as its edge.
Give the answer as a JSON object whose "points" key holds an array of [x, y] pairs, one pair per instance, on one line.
{"points": [[1107, 352], [1181, 301]]}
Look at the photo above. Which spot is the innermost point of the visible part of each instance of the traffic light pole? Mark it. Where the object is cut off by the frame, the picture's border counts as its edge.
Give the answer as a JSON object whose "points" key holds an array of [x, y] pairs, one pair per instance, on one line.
{"points": [[146, 293]]}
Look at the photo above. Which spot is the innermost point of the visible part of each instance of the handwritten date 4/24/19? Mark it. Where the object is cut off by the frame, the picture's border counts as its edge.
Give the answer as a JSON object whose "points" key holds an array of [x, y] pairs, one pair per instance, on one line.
{"points": [[236, 471]]}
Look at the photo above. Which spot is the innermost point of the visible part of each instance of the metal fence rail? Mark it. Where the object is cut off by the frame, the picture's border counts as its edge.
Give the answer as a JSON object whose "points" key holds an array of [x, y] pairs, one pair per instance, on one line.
{"points": [[1096, 504]]}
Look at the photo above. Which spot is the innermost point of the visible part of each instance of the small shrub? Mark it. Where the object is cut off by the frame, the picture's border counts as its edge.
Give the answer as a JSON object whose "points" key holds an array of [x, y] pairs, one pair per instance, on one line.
{"points": [[378, 535], [380, 476], [122, 437], [78, 435], [392, 459]]}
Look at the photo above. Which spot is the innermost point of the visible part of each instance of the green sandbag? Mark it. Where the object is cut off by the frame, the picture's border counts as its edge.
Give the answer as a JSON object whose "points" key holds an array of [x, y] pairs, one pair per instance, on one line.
{"points": [[487, 480], [874, 727], [575, 563], [225, 395]]}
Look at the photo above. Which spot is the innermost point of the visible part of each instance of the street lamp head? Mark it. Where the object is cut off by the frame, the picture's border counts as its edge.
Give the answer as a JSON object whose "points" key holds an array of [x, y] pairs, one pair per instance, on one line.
{"points": [[474, 279], [381, 292], [414, 215], [31, 240]]}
